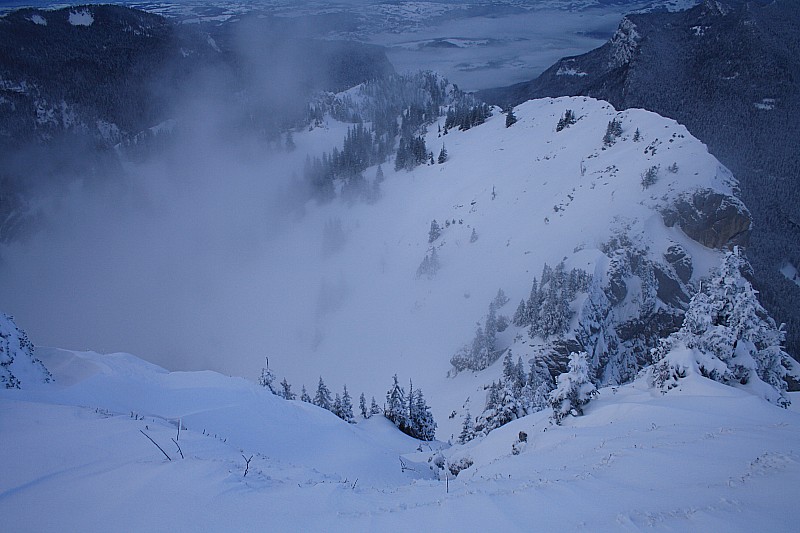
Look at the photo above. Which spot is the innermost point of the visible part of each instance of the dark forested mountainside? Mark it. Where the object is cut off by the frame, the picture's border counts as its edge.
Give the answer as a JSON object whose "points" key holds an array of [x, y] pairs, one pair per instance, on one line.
{"points": [[729, 71], [76, 82]]}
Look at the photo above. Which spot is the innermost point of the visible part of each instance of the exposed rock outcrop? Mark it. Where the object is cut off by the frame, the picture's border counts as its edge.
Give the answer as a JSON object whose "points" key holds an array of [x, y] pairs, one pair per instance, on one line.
{"points": [[713, 219]]}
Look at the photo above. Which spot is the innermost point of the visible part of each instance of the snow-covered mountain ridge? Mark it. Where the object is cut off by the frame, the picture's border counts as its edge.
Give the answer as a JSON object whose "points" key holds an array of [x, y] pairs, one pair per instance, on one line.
{"points": [[532, 195]]}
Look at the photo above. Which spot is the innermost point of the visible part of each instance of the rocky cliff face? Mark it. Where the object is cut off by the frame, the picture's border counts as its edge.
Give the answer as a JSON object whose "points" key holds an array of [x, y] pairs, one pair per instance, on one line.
{"points": [[710, 218]]}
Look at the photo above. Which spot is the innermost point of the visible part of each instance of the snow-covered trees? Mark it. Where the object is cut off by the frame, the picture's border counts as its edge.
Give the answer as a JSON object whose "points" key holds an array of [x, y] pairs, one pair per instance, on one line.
{"points": [[566, 120], [362, 406], [548, 311], [286, 391], [511, 119], [410, 414], [726, 336], [323, 396], [304, 397], [482, 351], [395, 409], [430, 265], [17, 362], [573, 389], [613, 131], [435, 232], [466, 114], [442, 155], [467, 429], [649, 177], [343, 406], [515, 395], [421, 424], [267, 377]]}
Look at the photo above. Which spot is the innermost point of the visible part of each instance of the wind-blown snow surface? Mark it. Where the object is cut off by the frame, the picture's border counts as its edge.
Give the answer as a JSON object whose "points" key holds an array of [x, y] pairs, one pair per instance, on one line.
{"points": [[702, 458]]}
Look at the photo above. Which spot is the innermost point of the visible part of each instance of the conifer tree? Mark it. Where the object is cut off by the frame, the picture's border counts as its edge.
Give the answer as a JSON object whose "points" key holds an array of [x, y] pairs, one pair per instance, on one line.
{"points": [[467, 429], [421, 423], [731, 338], [362, 406], [511, 119], [323, 396], [337, 406], [520, 315], [304, 397], [267, 378], [374, 408], [442, 155], [346, 407], [435, 232], [573, 389], [286, 391], [396, 404]]}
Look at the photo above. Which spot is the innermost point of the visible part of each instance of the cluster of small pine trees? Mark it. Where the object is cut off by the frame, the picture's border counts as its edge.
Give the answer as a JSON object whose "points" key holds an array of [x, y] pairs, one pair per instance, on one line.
{"points": [[548, 312], [613, 131], [566, 120], [482, 351], [409, 412], [518, 393], [362, 148], [340, 405], [466, 114], [411, 152]]}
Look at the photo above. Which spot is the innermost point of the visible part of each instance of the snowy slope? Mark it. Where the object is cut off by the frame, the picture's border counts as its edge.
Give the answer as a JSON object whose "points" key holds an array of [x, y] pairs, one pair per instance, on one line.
{"points": [[703, 458], [378, 319]]}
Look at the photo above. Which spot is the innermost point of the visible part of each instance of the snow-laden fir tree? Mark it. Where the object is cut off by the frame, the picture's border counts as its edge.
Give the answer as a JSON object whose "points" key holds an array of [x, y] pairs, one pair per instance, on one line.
{"points": [[520, 315], [511, 118], [396, 405], [473, 237], [597, 336], [573, 389], [346, 407], [336, 408], [727, 336], [435, 232], [613, 131], [538, 386], [500, 299], [267, 378], [304, 397], [467, 429], [429, 266], [323, 396], [286, 391], [421, 424], [442, 155], [374, 408], [362, 406], [566, 120]]}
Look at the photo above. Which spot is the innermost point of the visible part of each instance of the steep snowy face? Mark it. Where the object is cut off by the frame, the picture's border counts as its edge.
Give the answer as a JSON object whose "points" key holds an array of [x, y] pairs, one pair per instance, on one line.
{"points": [[506, 202]]}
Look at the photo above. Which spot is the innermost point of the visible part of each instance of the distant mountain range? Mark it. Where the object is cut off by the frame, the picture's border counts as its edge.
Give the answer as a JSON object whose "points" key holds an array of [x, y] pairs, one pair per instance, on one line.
{"points": [[729, 71]]}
